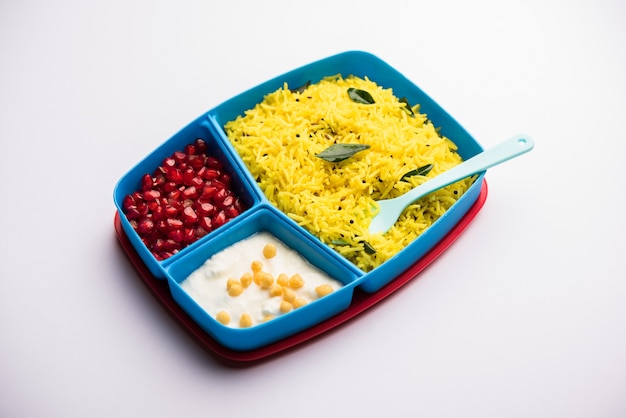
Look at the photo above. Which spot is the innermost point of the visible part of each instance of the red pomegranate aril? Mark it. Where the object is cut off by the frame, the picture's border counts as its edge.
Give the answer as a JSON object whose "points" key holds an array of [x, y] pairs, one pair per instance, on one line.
{"points": [[190, 193], [159, 180], [169, 162], [174, 174], [219, 196], [152, 205], [197, 182], [213, 162], [187, 202], [205, 208], [189, 235], [151, 195], [196, 161], [231, 212], [238, 205], [128, 202], [210, 174], [207, 193], [189, 215], [190, 149], [170, 186], [142, 207], [145, 226], [228, 201], [146, 182], [179, 156], [219, 219], [171, 245], [175, 235], [159, 213], [219, 184], [188, 176], [174, 223], [200, 232], [170, 211], [201, 145], [206, 223], [158, 245], [132, 213]]}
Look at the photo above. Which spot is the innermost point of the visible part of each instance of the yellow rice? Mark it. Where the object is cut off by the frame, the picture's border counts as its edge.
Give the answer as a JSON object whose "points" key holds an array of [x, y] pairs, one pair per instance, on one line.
{"points": [[279, 138]]}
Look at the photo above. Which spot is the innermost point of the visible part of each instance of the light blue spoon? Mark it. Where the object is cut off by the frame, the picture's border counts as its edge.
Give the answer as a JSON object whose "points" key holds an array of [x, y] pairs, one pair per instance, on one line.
{"points": [[391, 209]]}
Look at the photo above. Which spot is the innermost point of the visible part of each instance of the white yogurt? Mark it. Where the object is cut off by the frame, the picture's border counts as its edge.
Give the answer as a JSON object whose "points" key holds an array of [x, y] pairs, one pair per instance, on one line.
{"points": [[208, 284]]}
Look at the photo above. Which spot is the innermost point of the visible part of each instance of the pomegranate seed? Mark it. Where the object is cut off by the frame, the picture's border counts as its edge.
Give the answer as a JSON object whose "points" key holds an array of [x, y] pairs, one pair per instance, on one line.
{"points": [[210, 174], [189, 215], [220, 195], [207, 193], [170, 211], [190, 192], [143, 208], [197, 182], [145, 226], [159, 213], [196, 161], [175, 235], [200, 232], [213, 162], [174, 223], [169, 162], [201, 145], [151, 195], [170, 186], [189, 235], [132, 213], [128, 202], [158, 180], [219, 219], [190, 149], [146, 182], [205, 208], [174, 174], [180, 157], [171, 245], [231, 212], [206, 223], [228, 201], [188, 175]]}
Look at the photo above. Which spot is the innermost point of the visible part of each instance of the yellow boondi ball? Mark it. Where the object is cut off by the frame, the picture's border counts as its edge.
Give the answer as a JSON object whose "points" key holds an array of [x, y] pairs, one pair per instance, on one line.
{"points": [[269, 250], [245, 321], [299, 302], [223, 317], [323, 290], [296, 281]]}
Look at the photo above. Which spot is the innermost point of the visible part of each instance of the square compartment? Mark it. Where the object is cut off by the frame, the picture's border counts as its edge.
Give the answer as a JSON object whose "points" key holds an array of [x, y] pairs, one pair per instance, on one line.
{"points": [[258, 220], [363, 64], [247, 192]]}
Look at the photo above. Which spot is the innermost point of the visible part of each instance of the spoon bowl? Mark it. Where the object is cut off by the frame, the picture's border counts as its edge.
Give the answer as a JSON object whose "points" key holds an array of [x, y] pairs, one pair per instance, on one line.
{"points": [[391, 209]]}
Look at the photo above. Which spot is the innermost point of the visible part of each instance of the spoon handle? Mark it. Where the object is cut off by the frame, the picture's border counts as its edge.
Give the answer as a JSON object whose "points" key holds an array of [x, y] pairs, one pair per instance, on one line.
{"points": [[500, 153]]}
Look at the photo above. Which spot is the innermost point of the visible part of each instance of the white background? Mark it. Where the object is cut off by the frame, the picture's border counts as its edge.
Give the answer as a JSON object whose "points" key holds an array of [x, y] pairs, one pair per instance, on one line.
{"points": [[524, 316]]}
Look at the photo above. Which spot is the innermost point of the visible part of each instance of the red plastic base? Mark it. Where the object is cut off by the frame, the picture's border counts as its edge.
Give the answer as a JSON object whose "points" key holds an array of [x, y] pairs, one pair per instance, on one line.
{"points": [[360, 301]]}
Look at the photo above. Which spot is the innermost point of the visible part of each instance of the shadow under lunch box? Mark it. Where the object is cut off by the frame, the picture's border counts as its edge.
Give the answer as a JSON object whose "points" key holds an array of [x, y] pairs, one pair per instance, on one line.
{"points": [[254, 213]]}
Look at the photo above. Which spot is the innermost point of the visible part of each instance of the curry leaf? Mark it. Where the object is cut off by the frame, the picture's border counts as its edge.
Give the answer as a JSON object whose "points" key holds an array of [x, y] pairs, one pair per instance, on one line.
{"points": [[407, 107], [422, 171], [339, 152], [368, 248], [360, 96]]}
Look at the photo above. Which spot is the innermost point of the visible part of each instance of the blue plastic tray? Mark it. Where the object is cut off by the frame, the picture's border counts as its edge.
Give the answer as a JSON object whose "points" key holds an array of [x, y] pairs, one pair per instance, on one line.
{"points": [[261, 215]]}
